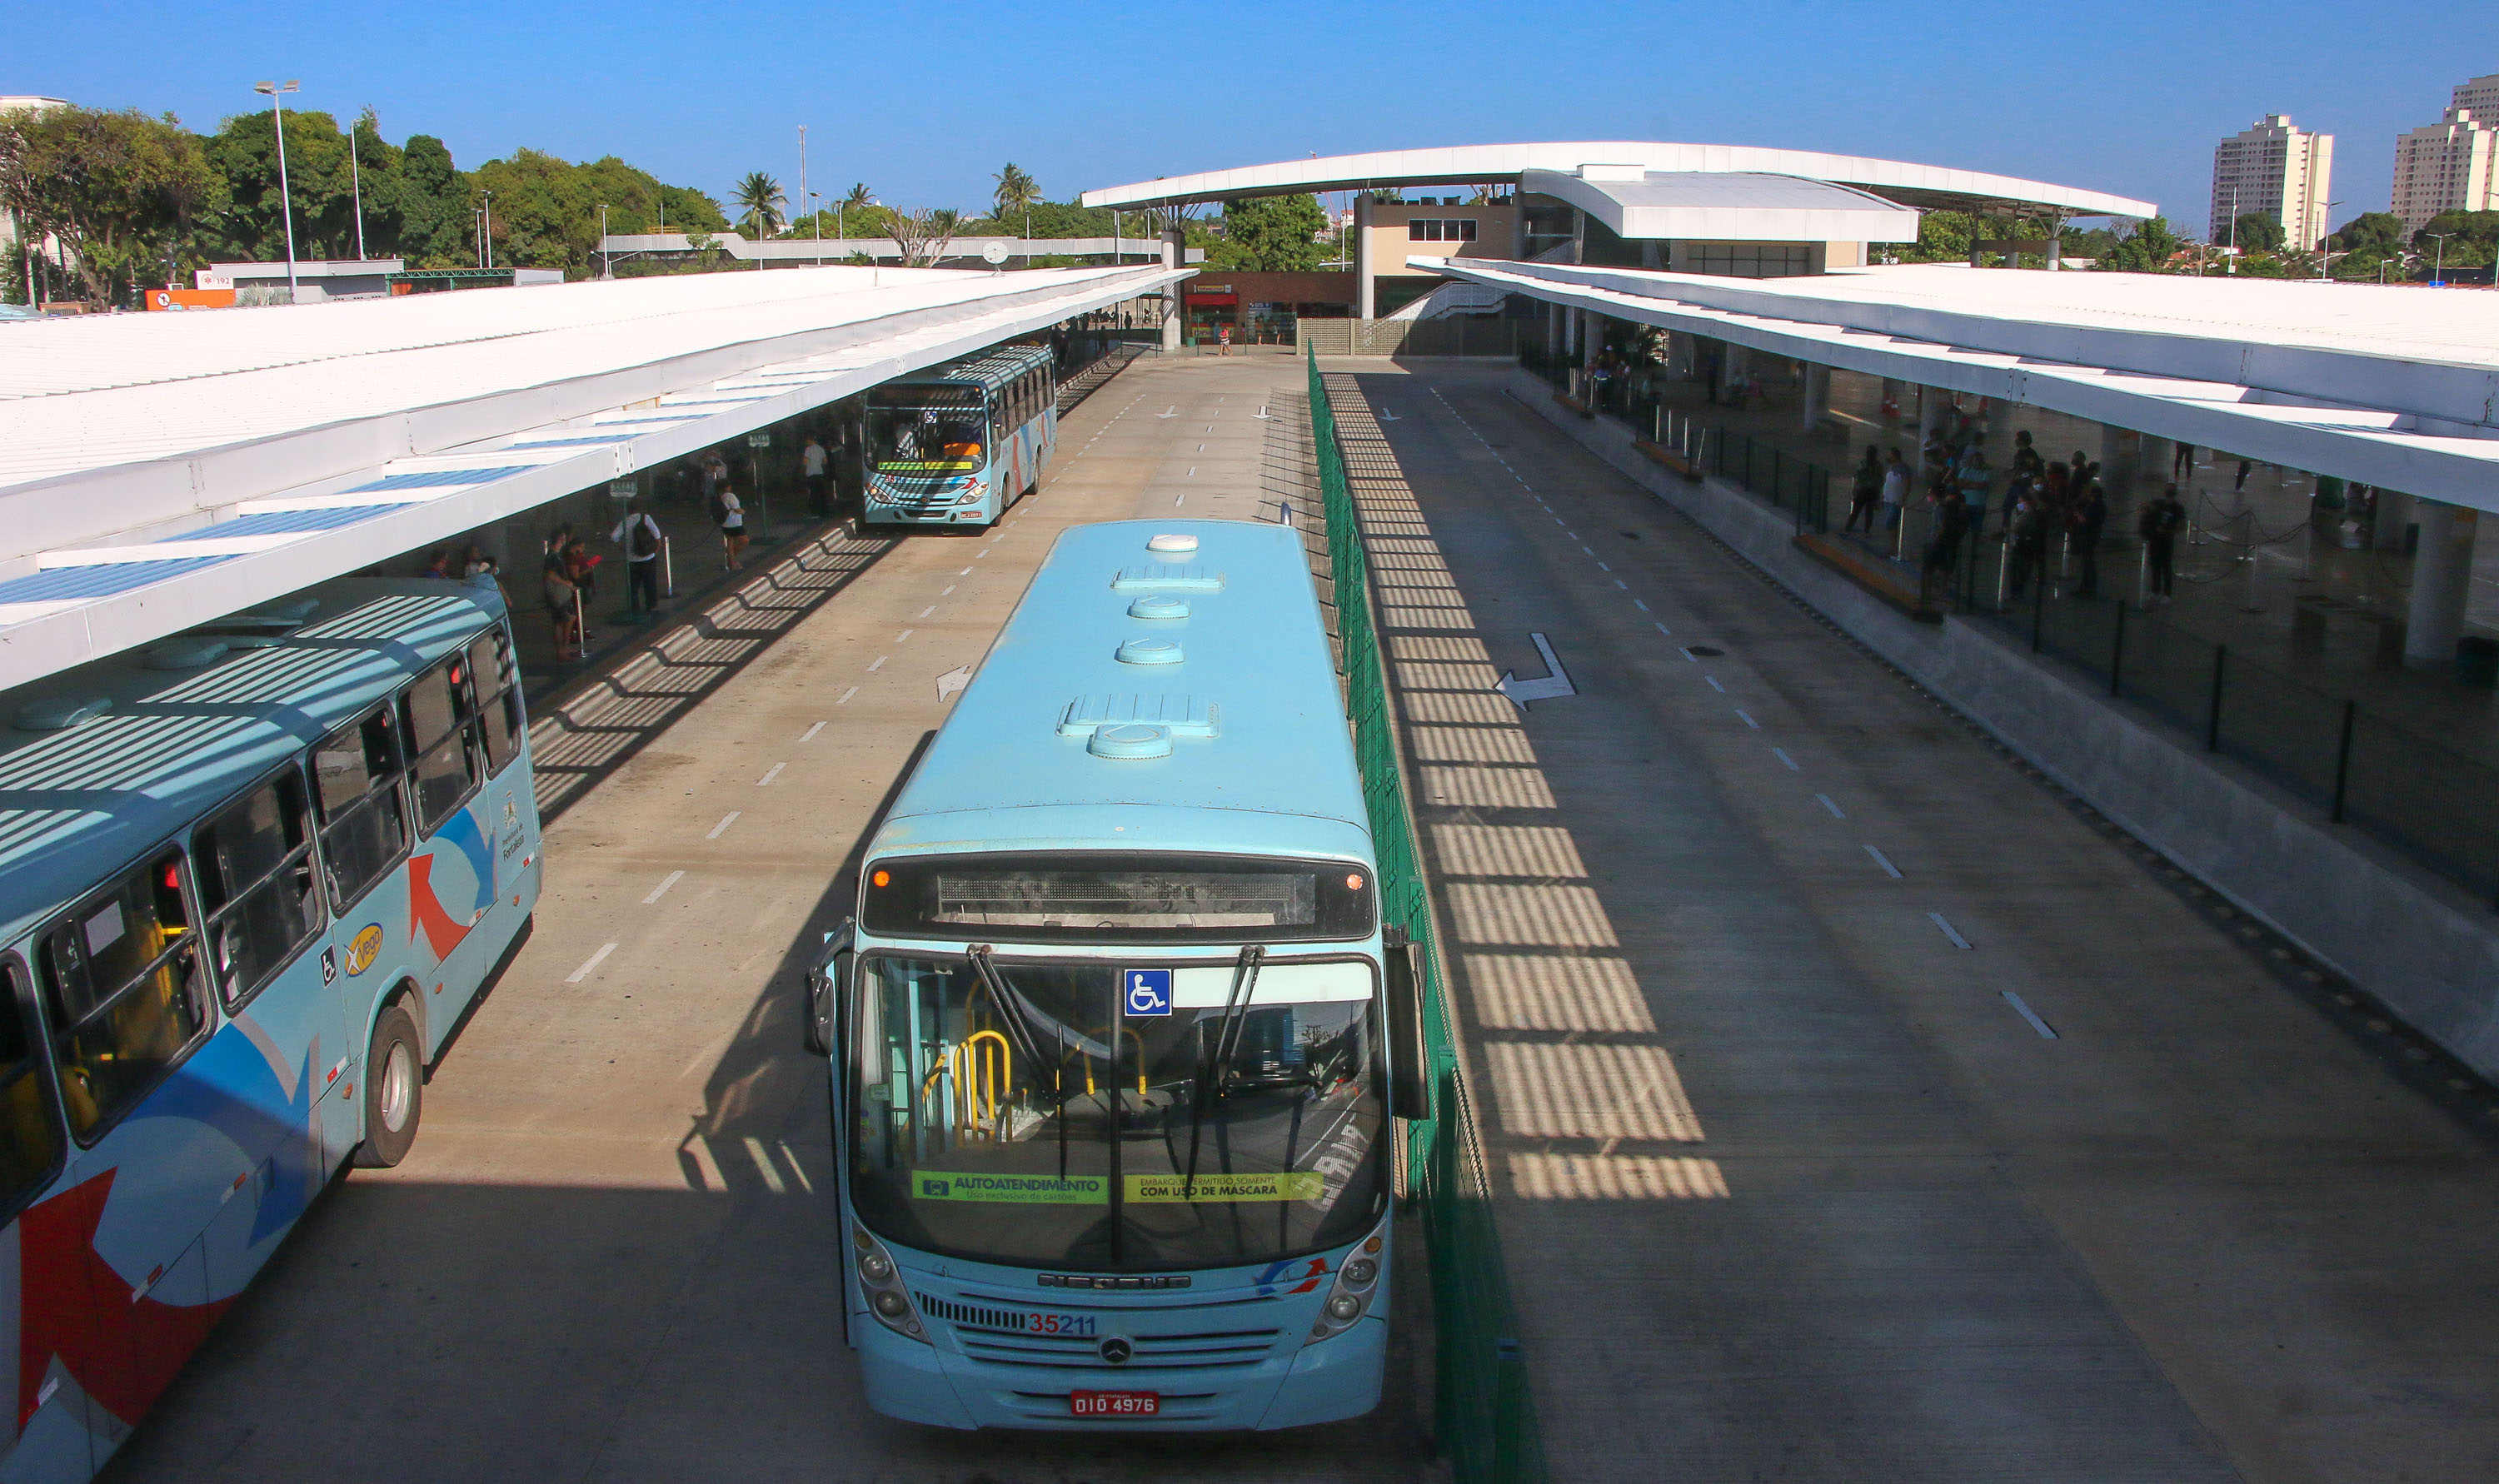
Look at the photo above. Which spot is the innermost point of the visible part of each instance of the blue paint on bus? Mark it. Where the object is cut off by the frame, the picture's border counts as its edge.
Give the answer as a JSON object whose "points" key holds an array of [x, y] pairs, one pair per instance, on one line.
{"points": [[222, 860], [1059, 1209], [959, 443]]}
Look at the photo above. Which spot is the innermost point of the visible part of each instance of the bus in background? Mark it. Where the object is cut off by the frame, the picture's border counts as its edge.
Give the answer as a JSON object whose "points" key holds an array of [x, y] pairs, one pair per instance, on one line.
{"points": [[251, 877], [958, 444], [1108, 1036]]}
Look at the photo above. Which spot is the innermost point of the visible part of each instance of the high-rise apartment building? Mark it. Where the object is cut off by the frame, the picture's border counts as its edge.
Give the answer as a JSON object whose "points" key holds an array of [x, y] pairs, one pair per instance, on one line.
{"points": [[2452, 165], [2278, 169]]}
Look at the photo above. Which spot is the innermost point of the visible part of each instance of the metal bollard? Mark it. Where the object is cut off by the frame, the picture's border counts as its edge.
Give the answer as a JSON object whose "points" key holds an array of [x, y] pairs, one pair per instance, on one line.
{"points": [[580, 629], [668, 570], [2143, 577]]}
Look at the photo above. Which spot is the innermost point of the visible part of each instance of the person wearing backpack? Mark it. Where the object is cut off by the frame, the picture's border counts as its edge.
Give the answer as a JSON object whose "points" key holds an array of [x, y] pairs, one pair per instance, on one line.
{"points": [[640, 536]]}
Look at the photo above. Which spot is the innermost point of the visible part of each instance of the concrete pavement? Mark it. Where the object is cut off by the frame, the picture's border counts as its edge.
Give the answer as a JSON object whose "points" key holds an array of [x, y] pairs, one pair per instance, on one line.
{"points": [[611, 1255], [1795, 1184]]}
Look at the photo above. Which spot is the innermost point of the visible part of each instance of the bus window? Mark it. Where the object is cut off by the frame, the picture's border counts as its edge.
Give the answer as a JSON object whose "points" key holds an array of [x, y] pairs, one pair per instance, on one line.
{"points": [[253, 865], [499, 700], [438, 723], [121, 977], [30, 1138], [364, 829]]}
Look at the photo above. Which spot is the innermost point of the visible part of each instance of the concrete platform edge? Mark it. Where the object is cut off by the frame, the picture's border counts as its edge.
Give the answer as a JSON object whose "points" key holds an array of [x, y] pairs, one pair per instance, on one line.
{"points": [[2419, 945]]}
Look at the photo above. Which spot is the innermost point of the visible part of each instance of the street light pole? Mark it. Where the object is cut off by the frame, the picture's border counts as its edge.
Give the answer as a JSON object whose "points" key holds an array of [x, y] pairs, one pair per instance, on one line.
{"points": [[356, 182], [2437, 275], [2326, 243], [803, 198], [488, 235], [285, 199], [815, 215], [607, 264]]}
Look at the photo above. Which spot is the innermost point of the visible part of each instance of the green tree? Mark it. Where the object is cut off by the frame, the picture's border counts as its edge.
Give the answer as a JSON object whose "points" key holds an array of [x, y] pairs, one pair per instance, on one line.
{"points": [[2375, 232], [759, 201], [2256, 232], [1271, 233], [319, 183], [1016, 193], [2472, 237], [2146, 250], [429, 204], [128, 196], [546, 211], [1944, 236]]}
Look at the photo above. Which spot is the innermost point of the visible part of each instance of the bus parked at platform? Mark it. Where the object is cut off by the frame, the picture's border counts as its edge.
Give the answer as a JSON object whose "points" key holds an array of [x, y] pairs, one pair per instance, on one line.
{"points": [[1109, 1036], [957, 445], [251, 879]]}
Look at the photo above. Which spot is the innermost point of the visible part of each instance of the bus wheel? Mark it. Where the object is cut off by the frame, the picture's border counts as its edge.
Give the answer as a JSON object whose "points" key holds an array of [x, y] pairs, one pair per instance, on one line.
{"points": [[394, 1090]]}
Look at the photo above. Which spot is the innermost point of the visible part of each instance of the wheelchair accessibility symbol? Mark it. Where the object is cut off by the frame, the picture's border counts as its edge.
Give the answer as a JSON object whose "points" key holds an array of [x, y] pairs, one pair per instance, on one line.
{"points": [[1149, 991]]}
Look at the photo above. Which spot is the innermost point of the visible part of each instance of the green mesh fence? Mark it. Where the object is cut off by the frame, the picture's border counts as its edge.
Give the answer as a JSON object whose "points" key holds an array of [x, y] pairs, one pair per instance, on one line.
{"points": [[1486, 1420]]}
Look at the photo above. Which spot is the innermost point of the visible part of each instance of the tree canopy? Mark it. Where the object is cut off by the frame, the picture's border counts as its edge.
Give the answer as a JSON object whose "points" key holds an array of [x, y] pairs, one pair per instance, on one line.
{"points": [[141, 201], [1270, 233]]}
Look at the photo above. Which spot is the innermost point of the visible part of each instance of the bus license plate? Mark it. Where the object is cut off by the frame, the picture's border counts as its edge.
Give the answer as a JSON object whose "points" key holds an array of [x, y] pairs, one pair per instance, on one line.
{"points": [[1114, 1404]]}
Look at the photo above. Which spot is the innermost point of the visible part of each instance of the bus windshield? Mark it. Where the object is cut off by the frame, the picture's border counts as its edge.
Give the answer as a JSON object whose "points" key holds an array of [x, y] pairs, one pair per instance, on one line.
{"points": [[1017, 1116], [926, 429]]}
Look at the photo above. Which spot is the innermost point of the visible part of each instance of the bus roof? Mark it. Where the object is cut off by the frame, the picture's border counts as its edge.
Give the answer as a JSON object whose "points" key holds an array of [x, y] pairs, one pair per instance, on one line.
{"points": [[1260, 759], [990, 369], [176, 737]]}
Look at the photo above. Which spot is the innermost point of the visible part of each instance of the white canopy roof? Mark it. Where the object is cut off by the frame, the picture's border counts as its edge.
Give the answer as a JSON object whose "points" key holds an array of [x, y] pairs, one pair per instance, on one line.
{"points": [[1923, 186], [2392, 386], [1730, 205], [158, 471]]}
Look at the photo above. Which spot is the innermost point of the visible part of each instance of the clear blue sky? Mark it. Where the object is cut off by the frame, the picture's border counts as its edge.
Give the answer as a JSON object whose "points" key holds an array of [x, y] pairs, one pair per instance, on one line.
{"points": [[923, 100]]}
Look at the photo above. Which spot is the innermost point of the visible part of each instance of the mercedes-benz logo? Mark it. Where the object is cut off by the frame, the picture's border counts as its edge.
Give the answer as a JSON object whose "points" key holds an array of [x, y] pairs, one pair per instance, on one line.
{"points": [[1117, 1350]]}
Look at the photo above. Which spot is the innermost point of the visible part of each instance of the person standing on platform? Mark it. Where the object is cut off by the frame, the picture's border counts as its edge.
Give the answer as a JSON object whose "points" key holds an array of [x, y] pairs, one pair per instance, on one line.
{"points": [[562, 604], [2091, 517], [2182, 459], [811, 466], [1866, 491], [1974, 478], [640, 536], [1943, 553], [2162, 519], [731, 517], [1896, 488], [2026, 537]]}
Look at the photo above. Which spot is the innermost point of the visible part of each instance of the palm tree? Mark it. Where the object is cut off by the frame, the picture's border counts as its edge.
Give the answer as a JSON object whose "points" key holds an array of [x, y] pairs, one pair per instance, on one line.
{"points": [[761, 196], [1017, 190]]}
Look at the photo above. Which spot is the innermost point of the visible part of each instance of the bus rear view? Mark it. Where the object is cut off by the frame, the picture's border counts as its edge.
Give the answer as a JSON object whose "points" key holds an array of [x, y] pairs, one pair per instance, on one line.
{"points": [[1107, 1035]]}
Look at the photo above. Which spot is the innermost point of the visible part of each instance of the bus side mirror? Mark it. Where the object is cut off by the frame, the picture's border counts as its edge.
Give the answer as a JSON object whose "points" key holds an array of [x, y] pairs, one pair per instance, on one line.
{"points": [[1409, 1088], [826, 984]]}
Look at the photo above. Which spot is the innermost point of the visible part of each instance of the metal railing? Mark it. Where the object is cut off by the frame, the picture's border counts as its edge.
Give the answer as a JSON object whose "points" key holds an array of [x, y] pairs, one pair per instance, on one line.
{"points": [[1487, 1417], [2349, 759]]}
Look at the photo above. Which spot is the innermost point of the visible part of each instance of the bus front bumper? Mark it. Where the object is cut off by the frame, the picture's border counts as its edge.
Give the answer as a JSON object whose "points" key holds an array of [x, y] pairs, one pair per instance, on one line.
{"points": [[1330, 1381]]}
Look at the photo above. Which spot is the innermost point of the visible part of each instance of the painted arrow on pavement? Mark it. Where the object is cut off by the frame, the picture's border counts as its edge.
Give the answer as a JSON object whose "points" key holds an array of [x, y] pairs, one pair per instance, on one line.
{"points": [[1170, 411], [1552, 687], [954, 680]]}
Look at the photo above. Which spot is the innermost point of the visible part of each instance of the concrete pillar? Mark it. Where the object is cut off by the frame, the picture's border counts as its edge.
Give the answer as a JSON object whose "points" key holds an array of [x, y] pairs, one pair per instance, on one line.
{"points": [[1517, 229], [1731, 370], [2121, 463], [1172, 256], [2395, 515], [1931, 403], [1552, 328], [2442, 580], [1817, 396], [1363, 299], [1578, 236]]}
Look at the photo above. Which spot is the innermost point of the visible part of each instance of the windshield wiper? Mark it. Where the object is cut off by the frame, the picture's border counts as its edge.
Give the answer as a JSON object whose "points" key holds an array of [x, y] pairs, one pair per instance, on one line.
{"points": [[1227, 1031]]}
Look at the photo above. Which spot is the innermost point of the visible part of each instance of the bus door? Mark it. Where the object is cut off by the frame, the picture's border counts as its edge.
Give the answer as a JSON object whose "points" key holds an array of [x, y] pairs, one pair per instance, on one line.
{"points": [[509, 804], [128, 1002], [285, 1042], [360, 801], [48, 1323], [451, 868]]}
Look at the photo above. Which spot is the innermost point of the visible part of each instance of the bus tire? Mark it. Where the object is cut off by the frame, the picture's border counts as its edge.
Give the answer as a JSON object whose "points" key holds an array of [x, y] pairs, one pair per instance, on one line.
{"points": [[393, 1089]]}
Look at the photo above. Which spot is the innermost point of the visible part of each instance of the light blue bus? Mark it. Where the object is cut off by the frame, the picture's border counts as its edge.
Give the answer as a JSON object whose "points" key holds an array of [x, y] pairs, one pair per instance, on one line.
{"points": [[959, 444], [1108, 1042], [251, 879]]}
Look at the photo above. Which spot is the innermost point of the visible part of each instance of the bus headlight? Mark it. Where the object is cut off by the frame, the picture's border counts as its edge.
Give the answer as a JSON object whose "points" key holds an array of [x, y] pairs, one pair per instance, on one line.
{"points": [[1356, 1286], [881, 1285]]}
